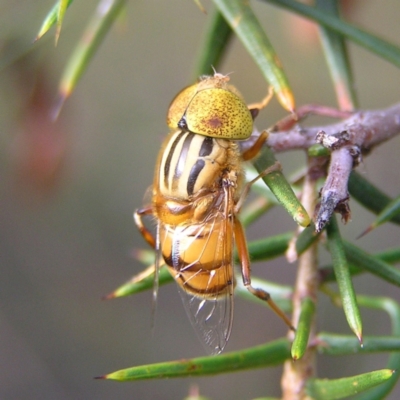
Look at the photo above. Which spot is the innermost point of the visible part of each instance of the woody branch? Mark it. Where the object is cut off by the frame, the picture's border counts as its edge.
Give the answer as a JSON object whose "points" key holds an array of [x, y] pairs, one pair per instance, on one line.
{"points": [[348, 141]]}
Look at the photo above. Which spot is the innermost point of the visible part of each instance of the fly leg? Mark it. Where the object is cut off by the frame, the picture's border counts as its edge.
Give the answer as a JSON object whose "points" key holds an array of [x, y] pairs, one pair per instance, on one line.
{"points": [[249, 154], [253, 151], [151, 240], [255, 108], [246, 273], [137, 217]]}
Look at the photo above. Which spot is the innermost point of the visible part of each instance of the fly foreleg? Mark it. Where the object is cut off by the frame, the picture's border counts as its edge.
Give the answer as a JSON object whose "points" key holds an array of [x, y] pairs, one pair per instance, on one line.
{"points": [[255, 108], [137, 217], [253, 151]]}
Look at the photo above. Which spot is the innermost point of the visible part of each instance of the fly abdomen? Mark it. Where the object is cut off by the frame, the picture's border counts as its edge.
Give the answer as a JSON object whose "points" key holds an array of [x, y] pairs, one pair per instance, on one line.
{"points": [[197, 257]]}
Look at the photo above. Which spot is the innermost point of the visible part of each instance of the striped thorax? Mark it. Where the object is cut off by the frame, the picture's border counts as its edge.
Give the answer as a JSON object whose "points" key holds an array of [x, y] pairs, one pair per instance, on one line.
{"points": [[190, 164]]}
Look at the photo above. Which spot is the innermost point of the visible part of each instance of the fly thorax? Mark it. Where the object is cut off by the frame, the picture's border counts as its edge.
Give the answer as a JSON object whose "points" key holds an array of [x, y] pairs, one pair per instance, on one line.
{"points": [[191, 163]]}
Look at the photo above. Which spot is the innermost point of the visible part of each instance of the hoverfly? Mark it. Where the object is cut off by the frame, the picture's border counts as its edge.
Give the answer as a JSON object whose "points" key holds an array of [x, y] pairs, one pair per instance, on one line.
{"points": [[197, 193]]}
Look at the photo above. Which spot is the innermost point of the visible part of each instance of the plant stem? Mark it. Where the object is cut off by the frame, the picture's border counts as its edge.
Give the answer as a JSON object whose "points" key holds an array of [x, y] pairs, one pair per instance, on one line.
{"points": [[296, 373]]}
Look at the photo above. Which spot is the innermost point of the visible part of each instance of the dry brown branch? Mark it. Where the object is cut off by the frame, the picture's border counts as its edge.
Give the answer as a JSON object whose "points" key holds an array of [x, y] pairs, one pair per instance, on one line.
{"points": [[348, 141], [296, 374], [366, 129]]}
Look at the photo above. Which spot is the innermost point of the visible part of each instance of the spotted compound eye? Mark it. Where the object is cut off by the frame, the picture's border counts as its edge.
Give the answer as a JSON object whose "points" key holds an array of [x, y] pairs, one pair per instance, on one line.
{"points": [[179, 104], [211, 108]]}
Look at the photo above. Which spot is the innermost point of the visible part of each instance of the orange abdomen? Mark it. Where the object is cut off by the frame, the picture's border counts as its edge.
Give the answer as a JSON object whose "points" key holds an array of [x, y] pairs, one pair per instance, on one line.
{"points": [[199, 257]]}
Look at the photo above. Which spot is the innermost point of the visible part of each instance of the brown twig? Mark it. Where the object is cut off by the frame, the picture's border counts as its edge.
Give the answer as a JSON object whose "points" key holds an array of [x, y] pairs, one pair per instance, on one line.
{"points": [[296, 373], [348, 141], [366, 129]]}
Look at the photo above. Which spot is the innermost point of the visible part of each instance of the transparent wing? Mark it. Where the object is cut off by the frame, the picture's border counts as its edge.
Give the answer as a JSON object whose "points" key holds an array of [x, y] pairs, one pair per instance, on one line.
{"points": [[202, 257], [211, 318]]}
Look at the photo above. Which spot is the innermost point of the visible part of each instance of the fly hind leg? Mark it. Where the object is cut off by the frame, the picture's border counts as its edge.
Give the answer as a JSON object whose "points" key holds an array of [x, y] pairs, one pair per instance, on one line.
{"points": [[246, 273]]}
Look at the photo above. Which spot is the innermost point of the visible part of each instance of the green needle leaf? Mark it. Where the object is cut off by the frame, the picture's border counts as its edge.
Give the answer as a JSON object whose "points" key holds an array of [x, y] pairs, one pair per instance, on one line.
{"points": [[216, 42], [269, 247], [388, 256], [335, 344], [381, 47], [390, 306], [336, 56], [253, 210], [141, 282], [281, 188], [331, 389], [306, 238], [391, 211], [62, 8], [242, 20], [302, 333], [362, 259], [369, 195], [267, 355], [393, 309], [331, 344], [52, 18], [343, 278], [106, 13]]}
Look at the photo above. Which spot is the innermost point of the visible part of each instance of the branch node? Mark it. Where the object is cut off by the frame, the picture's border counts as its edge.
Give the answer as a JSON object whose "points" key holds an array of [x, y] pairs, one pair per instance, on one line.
{"points": [[333, 141], [356, 154]]}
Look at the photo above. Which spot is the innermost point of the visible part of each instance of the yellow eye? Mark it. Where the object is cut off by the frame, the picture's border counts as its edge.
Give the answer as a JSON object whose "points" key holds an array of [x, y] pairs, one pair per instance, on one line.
{"points": [[211, 108], [219, 113], [179, 104]]}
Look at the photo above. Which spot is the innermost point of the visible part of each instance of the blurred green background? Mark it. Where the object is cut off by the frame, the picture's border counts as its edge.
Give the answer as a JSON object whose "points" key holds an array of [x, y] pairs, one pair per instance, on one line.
{"points": [[68, 190]]}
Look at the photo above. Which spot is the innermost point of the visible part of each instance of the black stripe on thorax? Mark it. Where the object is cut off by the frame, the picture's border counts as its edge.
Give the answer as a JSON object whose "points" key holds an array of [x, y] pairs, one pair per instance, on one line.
{"points": [[180, 165], [206, 147], [194, 174], [167, 164], [205, 150]]}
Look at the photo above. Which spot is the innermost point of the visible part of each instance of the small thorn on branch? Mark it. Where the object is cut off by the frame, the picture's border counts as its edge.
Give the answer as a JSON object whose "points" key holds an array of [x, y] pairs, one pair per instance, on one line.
{"points": [[330, 204]]}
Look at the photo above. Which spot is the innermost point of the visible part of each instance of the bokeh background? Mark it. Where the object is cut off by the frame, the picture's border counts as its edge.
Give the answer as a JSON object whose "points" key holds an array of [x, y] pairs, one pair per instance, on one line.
{"points": [[68, 190]]}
